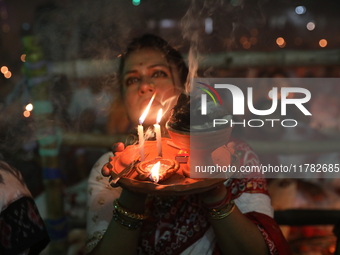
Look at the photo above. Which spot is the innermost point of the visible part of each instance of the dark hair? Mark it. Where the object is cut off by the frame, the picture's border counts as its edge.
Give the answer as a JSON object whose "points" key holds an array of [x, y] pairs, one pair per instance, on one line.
{"points": [[158, 43]]}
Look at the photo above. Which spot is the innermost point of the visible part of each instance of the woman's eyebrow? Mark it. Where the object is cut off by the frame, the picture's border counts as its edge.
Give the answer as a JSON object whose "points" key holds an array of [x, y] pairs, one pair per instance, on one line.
{"points": [[161, 65], [149, 67], [130, 71]]}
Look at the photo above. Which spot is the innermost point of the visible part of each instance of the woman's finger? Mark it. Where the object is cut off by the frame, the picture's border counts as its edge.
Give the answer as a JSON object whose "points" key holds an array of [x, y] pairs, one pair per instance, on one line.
{"points": [[117, 147], [107, 169]]}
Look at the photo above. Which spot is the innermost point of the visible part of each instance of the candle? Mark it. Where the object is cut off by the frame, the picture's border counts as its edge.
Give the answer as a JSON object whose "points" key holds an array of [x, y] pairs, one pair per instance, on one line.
{"points": [[141, 142], [140, 128], [158, 133]]}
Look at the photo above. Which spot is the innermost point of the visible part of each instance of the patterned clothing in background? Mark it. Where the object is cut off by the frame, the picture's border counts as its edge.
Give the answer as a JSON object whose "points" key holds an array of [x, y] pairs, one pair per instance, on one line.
{"points": [[21, 227]]}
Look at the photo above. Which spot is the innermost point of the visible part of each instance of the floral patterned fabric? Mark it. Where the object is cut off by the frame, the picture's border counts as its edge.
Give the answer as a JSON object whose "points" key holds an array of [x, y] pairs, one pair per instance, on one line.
{"points": [[21, 227]]}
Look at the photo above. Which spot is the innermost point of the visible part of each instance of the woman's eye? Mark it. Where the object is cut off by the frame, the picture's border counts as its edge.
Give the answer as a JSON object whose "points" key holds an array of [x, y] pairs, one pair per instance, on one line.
{"points": [[159, 74], [131, 80]]}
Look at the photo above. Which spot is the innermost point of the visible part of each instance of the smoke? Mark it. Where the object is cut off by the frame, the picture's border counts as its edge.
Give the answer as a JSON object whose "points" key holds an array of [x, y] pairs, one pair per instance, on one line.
{"points": [[84, 29], [229, 19], [100, 30], [15, 130], [192, 25]]}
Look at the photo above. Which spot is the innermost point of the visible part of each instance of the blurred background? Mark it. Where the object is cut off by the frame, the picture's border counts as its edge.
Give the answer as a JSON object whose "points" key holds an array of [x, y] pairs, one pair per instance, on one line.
{"points": [[58, 89]]}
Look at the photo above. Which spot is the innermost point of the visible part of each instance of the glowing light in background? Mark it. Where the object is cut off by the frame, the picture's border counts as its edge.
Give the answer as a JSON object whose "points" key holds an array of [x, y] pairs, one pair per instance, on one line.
{"points": [[209, 26], [23, 57], [8, 74], [323, 43], [300, 10], [280, 42], [167, 23], [246, 45], [29, 107], [253, 40], [4, 69], [332, 249], [310, 26], [136, 2], [243, 39], [26, 114]]}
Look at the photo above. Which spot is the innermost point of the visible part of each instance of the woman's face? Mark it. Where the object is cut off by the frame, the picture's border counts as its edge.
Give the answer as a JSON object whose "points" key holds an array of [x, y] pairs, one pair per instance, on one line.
{"points": [[147, 71]]}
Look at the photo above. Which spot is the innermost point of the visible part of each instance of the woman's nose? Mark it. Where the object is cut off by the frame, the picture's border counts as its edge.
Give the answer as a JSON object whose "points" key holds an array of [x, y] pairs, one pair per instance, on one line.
{"points": [[146, 87]]}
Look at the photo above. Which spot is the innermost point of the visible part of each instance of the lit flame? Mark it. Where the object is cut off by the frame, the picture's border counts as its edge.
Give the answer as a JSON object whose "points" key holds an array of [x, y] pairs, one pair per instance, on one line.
{"points": [[155, 171], [143, 116], [159, 116]]}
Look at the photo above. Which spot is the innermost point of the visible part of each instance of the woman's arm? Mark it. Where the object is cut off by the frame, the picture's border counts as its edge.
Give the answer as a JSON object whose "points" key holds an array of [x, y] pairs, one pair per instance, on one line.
{"points": [[119, 239], [235, 233], [106, 233]]}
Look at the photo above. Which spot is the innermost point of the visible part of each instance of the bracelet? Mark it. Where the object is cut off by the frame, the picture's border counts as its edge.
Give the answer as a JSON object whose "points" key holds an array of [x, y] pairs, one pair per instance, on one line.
{"points": [[123, 211], [130, 225], [223, 212]]}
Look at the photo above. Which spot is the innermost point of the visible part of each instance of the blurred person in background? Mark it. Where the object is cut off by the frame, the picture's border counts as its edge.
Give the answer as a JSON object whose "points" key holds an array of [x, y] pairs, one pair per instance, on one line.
{"points": [[22, 230]]}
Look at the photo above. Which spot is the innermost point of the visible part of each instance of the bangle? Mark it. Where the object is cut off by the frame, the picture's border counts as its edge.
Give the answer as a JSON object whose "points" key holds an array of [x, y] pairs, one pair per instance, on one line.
{"points": [[127, 224], [223, 212], [123, 211]]}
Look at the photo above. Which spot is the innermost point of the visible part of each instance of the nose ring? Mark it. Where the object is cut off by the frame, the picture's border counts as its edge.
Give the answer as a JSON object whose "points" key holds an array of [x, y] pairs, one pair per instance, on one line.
{"points": [[152, 85]]}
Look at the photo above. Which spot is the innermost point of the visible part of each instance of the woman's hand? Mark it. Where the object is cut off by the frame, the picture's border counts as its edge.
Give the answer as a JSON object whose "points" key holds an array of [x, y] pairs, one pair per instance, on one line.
{"points": [[123, 233], [129, 199], [107, 169], [214, 195]]}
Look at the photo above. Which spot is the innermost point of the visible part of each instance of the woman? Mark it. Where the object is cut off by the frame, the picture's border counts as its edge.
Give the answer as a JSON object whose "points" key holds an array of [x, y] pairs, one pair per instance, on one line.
{"points": [[182, 224]]}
